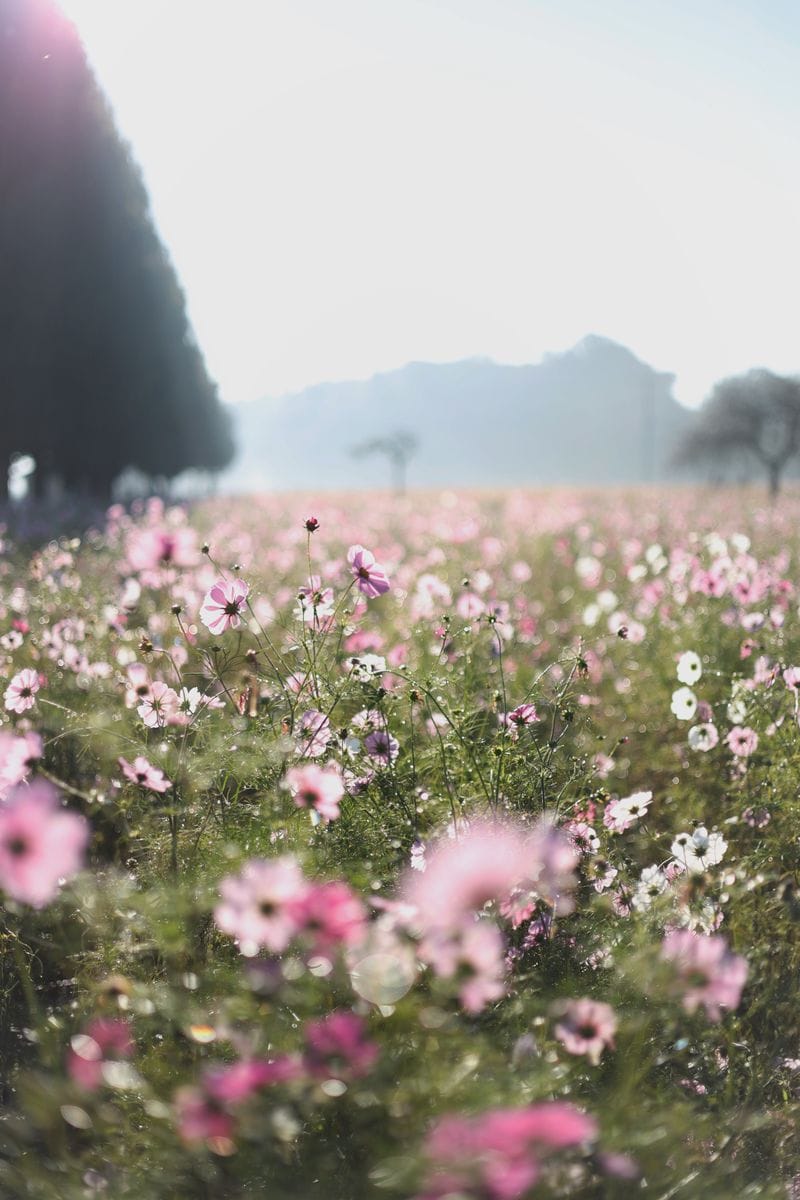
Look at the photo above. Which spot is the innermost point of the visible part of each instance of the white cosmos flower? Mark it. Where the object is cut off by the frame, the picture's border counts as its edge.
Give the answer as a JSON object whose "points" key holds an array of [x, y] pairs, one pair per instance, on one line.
{"points": [[699, 850], [703, 737], [690, 667], [684, 703], [652, 883], [737, 708]]}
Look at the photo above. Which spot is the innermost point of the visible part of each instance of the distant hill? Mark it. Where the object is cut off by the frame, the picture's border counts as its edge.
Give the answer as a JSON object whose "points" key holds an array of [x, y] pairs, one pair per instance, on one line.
{"points": [[594, 414]]}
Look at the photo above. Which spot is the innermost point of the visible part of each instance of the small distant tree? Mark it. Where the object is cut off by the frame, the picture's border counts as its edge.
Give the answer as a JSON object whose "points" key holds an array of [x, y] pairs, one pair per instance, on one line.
{"points": [[756, 416], [399, 447]]}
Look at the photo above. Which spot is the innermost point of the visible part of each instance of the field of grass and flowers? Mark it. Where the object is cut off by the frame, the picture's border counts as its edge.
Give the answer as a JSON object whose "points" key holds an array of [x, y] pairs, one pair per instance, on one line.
{"points": [[440, 847]]}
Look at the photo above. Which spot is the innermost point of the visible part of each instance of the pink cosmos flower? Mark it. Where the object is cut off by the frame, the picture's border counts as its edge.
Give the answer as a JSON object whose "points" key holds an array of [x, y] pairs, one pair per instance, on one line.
{"points": [[473, 956], [381, 746], [233, 1083], [497, 1154], [17, 756], [587, 1027], [490, 861], [141, 772], [707, 971], [201, 1118], [20, 695], [105, 1039], [314, 733], [329, 915], [742, 741], [519, 717], [259, 906], [223, 605], [160, 547], [40, 843], [371, 579], [159, 705], [338, 1047], [317, 788]]}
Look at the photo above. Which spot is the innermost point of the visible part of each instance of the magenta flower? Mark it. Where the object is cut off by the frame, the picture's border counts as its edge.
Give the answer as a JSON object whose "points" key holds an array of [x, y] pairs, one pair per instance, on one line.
{"points": [[586, 1027], [259, 906], [40, 843], [330, 915], [371, 579], [223, 605], [233, 1083], [497, 1155], [519, 717], [20, 695], [338, 1047], [317, 788], [707, 971], [106, 1039], [141, 772]]}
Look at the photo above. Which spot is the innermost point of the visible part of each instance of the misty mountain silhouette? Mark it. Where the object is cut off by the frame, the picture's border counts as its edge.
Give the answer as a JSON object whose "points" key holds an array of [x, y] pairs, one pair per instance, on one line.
{"points": [[593, 414]]}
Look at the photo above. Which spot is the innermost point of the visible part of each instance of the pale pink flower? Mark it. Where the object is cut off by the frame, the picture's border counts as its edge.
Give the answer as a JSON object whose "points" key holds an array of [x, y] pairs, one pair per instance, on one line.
{"points": [[141, 772], [259, 906], [138, 686], [490, 861], [314, 733], [586, 1027], [17, 757], [317, 788], [40, 843], [159, 706], [223, 605], [161, 547], [709, 974], [381, 746], [742, 741], [371, 579], [20, 695]]}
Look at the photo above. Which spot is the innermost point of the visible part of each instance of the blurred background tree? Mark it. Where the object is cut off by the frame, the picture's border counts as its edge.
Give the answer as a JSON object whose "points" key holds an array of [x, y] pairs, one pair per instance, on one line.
{"points": [[755, 416], [99, 369], [398, 447]]}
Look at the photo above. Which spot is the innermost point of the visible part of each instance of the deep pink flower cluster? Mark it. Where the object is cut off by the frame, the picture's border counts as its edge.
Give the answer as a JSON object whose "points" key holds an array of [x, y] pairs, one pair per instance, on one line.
{"points": [[498, 1155], [106, 1039], [336, 1048]]}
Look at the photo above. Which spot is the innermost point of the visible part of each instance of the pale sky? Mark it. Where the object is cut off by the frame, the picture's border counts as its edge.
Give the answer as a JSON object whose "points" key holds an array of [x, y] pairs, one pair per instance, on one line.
{"points": [[347, 185]]}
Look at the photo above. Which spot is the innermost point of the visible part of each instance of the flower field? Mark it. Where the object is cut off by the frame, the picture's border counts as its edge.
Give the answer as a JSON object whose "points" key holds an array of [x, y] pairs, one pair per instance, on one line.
{"points": [[433, 848]]}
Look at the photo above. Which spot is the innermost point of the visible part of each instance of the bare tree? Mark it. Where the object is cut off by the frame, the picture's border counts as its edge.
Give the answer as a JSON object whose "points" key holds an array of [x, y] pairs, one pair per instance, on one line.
{"points": [[399, 447], [755, 415]]}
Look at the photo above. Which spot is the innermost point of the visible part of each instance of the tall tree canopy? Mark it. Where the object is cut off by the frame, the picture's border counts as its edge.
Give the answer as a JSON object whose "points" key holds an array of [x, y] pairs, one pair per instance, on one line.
{"points": [[750, 416], [99, 369]]}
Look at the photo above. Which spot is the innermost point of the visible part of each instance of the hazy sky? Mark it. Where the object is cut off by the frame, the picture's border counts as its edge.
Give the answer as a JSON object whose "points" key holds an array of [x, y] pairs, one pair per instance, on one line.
{"points": [[346, 185]]}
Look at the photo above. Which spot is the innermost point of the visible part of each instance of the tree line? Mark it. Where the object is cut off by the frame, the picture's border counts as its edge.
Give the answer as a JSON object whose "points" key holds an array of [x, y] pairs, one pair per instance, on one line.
{"points": [[99, 368]]}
